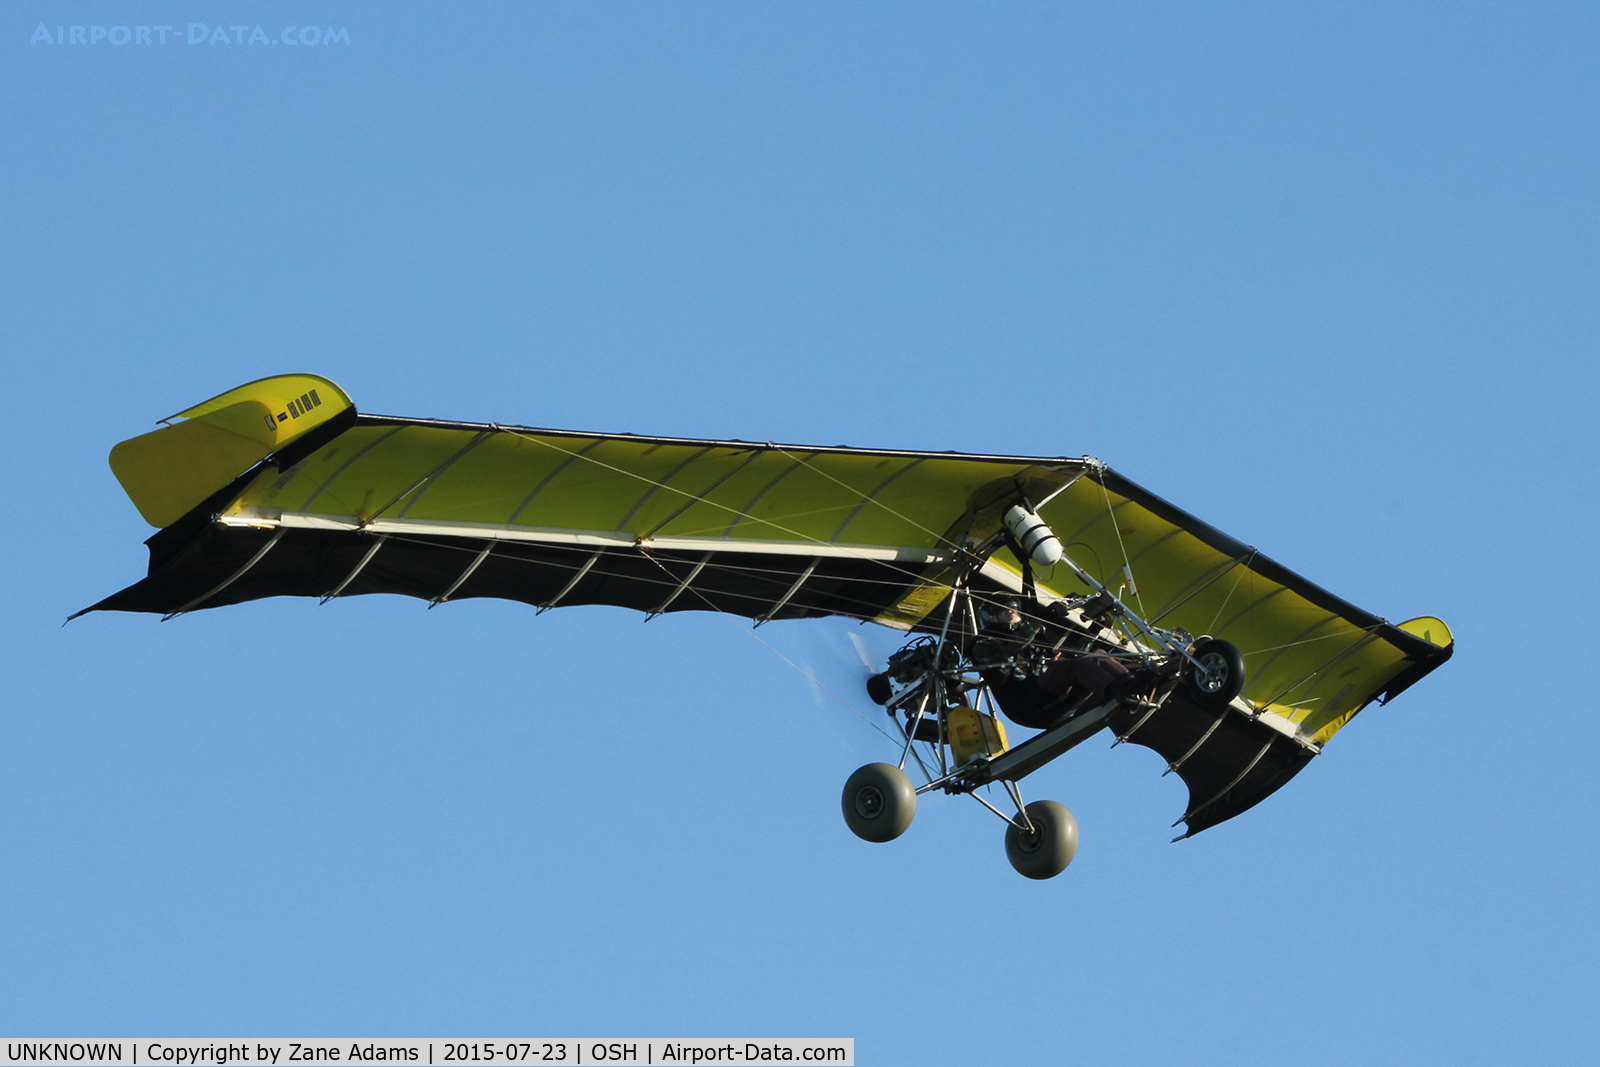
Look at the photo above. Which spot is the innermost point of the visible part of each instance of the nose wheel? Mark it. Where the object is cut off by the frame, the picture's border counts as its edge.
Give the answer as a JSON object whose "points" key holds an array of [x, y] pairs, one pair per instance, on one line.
{"points": [[1214, 674]]}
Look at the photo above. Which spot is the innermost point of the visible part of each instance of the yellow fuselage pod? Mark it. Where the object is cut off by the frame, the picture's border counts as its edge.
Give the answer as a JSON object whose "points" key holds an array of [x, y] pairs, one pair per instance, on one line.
{"points": [[972, 733]]}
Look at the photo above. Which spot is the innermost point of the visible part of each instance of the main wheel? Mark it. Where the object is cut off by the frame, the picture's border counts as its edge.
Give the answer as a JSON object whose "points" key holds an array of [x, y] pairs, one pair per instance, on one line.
{"points": [[879, 802], [1220, 675], [1046, 851]]}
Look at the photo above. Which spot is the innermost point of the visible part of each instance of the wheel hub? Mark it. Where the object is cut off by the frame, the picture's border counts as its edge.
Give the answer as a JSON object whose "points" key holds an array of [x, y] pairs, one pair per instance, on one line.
{"points": [[1213, 672], [869, 802]]}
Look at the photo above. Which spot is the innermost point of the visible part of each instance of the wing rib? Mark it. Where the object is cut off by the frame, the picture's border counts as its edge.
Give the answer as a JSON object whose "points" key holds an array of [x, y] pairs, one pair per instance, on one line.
{"points": [[234, 577], [576, 578], [357, 569], [693, 574], [474, 565], [793, 589]]}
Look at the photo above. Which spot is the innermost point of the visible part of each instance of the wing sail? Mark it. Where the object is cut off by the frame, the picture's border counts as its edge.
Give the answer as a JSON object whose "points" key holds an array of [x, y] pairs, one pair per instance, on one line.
{"points": [[449, 511], [350, 503]]}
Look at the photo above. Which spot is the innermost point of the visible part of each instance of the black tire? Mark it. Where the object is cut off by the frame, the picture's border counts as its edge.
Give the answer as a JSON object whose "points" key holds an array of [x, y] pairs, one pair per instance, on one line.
{"points": [[879, 802], [878, 688], [1222, 678], [1046, 852]]}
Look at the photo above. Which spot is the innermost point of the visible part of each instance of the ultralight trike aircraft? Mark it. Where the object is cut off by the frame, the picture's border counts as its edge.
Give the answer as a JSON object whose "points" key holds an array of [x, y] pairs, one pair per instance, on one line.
{"points": [[1050, 590]]}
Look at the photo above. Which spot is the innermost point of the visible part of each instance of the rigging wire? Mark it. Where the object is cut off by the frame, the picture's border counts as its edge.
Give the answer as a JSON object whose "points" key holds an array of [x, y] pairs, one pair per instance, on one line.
{"points": [[1245, 565], [712, 503], [865, 498], [1365, 631], [1127, 564]]}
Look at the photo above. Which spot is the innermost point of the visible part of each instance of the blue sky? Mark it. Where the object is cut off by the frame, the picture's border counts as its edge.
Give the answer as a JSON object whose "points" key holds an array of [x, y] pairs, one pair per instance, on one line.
{"points": [[1324, 275]]}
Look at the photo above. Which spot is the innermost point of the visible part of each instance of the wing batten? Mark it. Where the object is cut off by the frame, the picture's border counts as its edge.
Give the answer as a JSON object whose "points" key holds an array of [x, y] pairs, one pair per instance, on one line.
{"points": [[477, 561], [658, 527], [547, 479], [622, 524], [424, 483], [577, 577], [249, 564], [749, 508], [1319, 672], [306, 504], [869, 498], [1169, 535], [1248, 608], [366, 558], [793, 589], [687, 581], [1198, 586], [1178, 763], [1235, 780]]}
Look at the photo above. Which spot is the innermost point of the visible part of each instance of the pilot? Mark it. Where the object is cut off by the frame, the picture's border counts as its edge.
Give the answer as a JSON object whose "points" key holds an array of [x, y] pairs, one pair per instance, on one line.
{"points": [[1076, 678]]}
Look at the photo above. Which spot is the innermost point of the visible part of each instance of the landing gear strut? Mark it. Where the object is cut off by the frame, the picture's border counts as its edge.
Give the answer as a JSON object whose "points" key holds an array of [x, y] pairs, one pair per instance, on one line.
{"points": [[1067, 668]]}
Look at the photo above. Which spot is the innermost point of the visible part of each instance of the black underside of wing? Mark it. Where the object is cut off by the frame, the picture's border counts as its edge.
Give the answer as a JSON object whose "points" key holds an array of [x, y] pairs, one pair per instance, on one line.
{"points": [[214, 568], [1230, 761]]}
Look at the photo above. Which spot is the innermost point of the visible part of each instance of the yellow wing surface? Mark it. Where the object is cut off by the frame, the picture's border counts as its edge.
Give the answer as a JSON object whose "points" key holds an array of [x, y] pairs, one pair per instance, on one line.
{"points": [[328, 502]]}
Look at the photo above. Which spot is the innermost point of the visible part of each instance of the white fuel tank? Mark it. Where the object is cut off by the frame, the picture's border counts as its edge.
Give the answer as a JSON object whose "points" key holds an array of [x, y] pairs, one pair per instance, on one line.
{"points": [[1037, 540]]}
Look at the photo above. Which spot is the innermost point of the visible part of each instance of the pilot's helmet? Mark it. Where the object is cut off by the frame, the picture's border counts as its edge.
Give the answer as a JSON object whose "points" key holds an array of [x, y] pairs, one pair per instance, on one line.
{"points": [[1003, 614]]}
